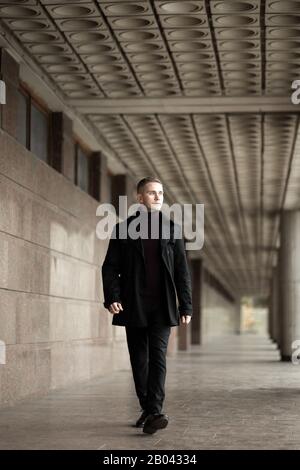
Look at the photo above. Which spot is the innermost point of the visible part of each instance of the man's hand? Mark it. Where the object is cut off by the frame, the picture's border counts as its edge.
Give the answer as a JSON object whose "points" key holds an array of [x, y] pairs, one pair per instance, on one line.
{"points": [[115, 308], [185, 318]]}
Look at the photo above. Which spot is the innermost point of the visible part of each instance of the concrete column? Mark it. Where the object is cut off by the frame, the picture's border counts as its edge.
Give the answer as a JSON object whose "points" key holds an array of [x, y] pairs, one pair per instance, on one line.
{"points": [[289, 281], [238, 314], [197, 285], [62, 145], [100, 182], [185, 331], [122, 185], [9, 73], [184, 337], [105, 181], [274, 308], [270, 312]]}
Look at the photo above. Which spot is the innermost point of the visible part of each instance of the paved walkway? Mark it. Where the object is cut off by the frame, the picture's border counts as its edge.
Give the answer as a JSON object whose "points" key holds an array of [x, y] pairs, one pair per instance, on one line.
{"points": [[231, 394]]}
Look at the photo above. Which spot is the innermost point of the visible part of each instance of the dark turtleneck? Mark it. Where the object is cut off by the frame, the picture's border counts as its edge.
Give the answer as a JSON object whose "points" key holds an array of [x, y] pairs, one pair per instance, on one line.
{"points": [[153, 260]]}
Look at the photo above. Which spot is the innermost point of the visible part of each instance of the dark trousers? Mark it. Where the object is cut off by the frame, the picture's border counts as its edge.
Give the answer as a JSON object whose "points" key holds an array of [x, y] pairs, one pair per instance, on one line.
{"points": [[147, 348]]}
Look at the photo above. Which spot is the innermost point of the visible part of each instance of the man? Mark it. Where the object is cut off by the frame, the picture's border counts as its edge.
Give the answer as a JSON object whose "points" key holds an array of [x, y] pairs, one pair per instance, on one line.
{"points": [[141, 277]]}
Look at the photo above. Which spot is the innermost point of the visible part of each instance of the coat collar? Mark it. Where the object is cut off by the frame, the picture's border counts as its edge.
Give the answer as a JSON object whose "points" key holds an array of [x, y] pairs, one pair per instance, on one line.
{"points": [[167, 227]]}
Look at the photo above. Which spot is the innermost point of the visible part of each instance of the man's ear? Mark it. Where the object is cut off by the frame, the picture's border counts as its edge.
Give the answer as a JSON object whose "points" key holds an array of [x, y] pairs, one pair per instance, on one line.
{"points": [[139, 198]]}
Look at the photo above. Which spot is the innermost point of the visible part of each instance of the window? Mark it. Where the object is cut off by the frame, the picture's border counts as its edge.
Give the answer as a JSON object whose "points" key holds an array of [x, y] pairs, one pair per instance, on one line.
{"points": [[39, 132], [32, 125], [82, 169]]}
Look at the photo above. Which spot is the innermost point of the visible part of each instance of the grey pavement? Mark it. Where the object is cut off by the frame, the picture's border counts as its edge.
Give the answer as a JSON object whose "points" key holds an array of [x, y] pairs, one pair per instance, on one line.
{"points": [[233, 393]]}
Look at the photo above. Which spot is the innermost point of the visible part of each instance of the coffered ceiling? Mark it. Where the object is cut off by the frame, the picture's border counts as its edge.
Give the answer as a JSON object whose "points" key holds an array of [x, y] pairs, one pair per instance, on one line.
{"points": [[196, 92]]}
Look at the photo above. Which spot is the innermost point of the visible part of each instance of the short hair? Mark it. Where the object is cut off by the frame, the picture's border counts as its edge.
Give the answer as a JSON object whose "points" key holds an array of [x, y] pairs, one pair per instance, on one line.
{"points": [[148, 179]]}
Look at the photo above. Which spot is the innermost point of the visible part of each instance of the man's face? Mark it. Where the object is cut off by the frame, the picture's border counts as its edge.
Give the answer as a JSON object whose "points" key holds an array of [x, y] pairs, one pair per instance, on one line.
{"points": [[152, 196]]}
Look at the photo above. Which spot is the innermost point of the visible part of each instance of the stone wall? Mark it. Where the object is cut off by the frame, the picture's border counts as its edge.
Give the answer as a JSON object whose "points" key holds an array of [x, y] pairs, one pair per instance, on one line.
{"points": [[52, 320]]}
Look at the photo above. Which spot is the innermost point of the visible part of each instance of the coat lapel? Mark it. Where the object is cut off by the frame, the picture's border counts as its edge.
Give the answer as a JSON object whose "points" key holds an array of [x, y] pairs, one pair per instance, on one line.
{"points": [[164, 239]]}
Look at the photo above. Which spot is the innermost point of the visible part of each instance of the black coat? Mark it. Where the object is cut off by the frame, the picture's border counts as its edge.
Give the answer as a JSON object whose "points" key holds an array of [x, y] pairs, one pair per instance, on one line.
{"points": [[123, 273]]}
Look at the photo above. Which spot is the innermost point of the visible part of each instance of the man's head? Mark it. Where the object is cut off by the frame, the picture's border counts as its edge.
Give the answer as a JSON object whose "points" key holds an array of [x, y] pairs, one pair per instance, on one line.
{"points": [[150, 193]]}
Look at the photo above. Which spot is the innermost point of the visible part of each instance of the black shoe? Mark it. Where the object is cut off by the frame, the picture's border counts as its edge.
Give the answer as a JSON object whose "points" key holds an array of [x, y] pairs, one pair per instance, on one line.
{"points": [[155, 422], [141, 421]]}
